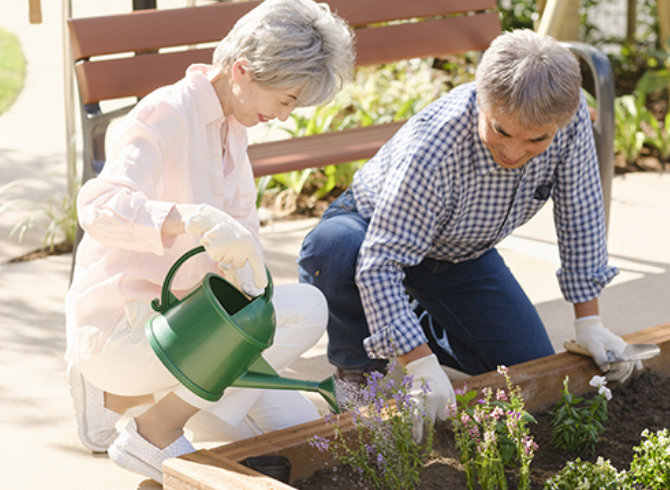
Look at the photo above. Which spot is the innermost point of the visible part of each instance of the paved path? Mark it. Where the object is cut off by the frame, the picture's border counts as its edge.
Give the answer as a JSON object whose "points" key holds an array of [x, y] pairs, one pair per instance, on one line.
{"points": [[40, 449]]}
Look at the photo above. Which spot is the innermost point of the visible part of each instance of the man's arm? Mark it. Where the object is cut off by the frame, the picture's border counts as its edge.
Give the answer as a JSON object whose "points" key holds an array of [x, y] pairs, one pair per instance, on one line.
{"points": [[590, 308]]}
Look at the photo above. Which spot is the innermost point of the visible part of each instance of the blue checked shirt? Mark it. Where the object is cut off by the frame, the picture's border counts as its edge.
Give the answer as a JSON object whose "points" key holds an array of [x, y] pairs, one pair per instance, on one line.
{"points": [[435, 191]]}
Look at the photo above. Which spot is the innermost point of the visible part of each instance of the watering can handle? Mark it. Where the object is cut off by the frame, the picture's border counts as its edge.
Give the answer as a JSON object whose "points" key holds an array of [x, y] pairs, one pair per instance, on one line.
{"points": [[167, 298]]}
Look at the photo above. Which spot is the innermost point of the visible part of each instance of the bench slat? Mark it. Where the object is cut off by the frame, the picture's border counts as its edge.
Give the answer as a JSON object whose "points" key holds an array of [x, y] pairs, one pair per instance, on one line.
{"points": [[430, 38], [137, 31], [108, 79], [320, 150]]}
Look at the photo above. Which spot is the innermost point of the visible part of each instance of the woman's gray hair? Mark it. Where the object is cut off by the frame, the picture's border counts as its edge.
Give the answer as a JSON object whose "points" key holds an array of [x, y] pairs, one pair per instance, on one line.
{"points": [[530, 76], [292, 43]]}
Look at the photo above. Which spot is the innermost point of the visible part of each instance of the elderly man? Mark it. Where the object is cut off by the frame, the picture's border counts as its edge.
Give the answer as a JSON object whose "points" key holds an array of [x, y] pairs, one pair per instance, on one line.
{"points": [[423, 217]]}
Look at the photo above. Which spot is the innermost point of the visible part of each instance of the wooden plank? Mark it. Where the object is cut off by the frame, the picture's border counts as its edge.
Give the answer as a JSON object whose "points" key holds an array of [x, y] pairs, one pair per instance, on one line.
{"points": [[140, 31], [107, 79], [320, 150], [145, 30], [540, 382], [434, 38], [206, 473]]}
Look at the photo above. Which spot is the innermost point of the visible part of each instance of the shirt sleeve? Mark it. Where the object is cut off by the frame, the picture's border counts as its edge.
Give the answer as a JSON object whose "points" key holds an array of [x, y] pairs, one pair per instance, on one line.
{"points": [[579, 216], [399, 235], [119, 208]]}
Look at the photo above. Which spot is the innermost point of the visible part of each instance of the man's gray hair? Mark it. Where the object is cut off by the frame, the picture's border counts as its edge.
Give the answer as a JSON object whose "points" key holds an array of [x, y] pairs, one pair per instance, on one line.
{"points": [[530, 76], [289, 44]]}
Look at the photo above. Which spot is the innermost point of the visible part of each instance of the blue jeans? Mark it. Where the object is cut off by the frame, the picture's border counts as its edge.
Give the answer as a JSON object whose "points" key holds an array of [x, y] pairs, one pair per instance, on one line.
{"points": [[480, 316]]}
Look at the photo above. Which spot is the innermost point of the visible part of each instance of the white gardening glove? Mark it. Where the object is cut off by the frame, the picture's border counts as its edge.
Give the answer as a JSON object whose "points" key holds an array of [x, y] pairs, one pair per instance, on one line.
{"points": [[595, 338], [242, 278], [227, 241], [439, 393]]}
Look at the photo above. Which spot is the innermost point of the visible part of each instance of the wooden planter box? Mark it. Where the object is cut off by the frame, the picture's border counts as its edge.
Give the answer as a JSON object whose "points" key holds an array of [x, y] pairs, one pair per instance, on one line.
{"points": [[540, 381]]}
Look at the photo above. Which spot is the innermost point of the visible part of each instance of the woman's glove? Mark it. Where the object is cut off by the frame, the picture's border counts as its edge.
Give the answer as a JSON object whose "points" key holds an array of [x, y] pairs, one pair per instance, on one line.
{"points": [[227, 241], [439, 392], [242, 278], [594, 337]]}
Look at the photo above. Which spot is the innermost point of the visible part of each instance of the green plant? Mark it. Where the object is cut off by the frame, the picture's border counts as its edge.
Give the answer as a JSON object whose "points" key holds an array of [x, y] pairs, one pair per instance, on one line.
{"points": [[660, 136], [382, 449], [584, 475], [578, 423], [629, 112], [651, 462], [377, 95], [493, 434], [12, 69], [58, 214], [517, 14]]}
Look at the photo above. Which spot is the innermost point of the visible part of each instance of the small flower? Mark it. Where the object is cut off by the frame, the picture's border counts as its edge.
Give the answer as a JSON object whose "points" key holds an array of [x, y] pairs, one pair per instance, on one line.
{"points": [[606, 392], [598, 381], [320, 443], [501, 396], [497, 413], [502, 369]]}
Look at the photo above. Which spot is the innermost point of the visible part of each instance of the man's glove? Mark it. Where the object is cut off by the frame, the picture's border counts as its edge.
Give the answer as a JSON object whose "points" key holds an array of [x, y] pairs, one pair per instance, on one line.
{"points": [[439, 392], [227, 241], [594, 337]]}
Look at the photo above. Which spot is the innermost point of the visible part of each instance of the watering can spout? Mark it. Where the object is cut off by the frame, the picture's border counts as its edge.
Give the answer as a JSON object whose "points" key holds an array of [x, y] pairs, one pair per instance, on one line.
{"points": [[261, 375]]}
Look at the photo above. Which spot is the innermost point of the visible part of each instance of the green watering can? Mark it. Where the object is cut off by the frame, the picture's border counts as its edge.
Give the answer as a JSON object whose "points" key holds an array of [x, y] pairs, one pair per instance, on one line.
{"points": [[214, 337]]}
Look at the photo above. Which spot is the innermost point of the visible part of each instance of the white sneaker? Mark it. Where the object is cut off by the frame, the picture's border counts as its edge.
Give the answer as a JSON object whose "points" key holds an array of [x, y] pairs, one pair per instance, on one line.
{"points": [[96, 425], [133, 452]]}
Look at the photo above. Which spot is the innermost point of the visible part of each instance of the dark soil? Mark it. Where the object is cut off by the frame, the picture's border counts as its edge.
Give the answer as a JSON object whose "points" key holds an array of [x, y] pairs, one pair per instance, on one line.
{"points": [[643, 402]]}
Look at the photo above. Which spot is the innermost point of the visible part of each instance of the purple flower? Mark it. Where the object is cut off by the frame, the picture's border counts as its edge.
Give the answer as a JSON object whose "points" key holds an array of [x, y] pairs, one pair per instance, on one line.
{"points": [[329, 418], [320, 443]]}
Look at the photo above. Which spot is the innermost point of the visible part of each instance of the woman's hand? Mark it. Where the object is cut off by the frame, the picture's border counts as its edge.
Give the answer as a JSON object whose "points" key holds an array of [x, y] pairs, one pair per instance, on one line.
{"points": [[227, 241]]}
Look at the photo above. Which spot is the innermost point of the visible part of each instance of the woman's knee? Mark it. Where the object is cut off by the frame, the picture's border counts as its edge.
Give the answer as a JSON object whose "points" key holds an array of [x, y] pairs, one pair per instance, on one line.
{"points": [[301, 307]]}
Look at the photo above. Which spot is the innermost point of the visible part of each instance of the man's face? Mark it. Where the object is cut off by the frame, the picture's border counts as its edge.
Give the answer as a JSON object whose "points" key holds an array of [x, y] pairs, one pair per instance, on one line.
{"points": [[511, 145]]}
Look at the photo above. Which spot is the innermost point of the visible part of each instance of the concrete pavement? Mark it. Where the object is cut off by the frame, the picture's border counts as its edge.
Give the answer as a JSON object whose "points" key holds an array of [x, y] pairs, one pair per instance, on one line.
{"points": [[40, 448]]}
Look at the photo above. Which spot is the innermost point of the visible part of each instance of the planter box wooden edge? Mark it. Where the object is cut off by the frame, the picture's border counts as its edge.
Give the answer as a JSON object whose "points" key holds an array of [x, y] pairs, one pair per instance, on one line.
{"points": [[540, 381]]}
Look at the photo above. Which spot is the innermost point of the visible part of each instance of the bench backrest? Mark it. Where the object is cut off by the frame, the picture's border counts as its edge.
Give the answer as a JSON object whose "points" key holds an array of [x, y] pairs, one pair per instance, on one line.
{"points": [[132, 54]]}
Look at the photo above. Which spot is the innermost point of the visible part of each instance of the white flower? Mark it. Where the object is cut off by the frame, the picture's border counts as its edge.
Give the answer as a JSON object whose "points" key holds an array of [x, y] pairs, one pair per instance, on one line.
{"points": [[606, 391], [598, 381]]}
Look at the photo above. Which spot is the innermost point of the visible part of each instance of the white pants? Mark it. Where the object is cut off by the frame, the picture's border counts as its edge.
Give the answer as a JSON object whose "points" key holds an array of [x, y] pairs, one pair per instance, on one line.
{"points": [[127, 366]]}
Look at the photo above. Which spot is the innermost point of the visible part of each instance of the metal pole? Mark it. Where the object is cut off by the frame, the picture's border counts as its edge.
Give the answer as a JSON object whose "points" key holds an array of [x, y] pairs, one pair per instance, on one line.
{"points": [[68, 82]]}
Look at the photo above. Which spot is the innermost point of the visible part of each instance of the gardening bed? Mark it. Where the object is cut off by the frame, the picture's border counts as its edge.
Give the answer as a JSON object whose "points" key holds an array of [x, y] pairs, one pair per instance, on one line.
{"points": [[638, 404]]}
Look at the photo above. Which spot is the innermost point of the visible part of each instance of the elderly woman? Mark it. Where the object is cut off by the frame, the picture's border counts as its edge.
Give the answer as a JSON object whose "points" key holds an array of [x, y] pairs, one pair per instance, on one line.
{"points": [[424, 216], [177, 176]]}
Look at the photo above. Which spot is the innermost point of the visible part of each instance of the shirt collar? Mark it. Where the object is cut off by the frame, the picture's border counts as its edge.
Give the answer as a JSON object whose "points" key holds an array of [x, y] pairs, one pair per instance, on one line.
{"points": [[206, 100]]}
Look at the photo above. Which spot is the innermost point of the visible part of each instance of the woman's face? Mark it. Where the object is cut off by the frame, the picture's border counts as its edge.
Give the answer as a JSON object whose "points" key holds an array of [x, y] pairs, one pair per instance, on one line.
{"points": [[511, 145], [251, 104]]}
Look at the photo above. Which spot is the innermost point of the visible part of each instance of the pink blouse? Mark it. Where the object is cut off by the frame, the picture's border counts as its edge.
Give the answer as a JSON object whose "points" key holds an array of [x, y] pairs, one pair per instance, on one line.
{"points": [[174, 147]]}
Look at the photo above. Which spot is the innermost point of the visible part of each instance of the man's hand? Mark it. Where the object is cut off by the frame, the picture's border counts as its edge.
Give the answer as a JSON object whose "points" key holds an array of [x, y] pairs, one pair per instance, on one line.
{"points": [[227, 241], [438, 391], [594, 337]]}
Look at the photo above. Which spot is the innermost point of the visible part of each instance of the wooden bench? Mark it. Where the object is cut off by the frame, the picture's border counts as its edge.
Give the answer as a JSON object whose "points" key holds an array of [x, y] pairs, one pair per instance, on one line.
{"points": [[129, 55]]}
